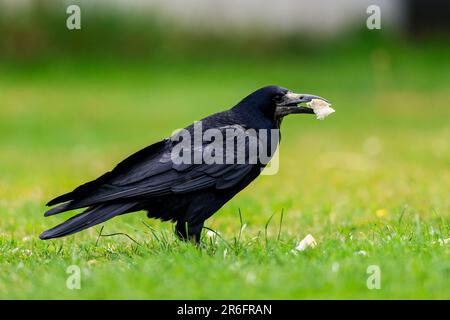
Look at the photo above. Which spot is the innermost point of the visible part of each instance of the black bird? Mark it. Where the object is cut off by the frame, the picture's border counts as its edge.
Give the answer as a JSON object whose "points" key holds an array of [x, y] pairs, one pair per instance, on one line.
{"points": [[186, 192]]}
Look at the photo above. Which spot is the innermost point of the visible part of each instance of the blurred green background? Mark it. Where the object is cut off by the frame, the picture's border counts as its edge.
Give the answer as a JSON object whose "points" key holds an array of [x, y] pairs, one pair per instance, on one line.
{"points": [[370, 183]]}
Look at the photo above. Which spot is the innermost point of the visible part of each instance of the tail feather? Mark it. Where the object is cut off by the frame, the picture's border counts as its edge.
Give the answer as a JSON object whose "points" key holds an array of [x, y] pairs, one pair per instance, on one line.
{"points": [[67, 206], [91, 217], [80, 191], [63, 198], [58, 209]]}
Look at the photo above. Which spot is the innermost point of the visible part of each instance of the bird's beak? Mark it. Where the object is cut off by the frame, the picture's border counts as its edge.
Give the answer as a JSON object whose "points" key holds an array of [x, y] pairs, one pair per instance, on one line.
{"points": [[291, 101]]}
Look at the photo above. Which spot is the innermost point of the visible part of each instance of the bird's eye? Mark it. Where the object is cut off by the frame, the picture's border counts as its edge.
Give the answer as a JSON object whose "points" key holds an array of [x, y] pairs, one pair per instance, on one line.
{"points": [[278, 98]]}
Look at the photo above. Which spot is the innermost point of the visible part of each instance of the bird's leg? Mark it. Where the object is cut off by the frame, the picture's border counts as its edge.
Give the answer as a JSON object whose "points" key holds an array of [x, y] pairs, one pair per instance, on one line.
{"points": [[186, 231], [181, 230], [196, 234]]}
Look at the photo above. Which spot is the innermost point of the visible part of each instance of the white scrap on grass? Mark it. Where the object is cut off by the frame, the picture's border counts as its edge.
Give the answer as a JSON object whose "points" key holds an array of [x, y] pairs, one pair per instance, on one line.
{"points": [[250, 277], [361, 253], [211, 234], [321, 108], [335, 267], [442, 241], [307, 242]]}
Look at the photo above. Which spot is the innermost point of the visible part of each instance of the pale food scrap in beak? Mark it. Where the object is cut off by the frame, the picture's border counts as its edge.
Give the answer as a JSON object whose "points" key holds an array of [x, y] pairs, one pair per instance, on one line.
{"points": [[321, 108]]}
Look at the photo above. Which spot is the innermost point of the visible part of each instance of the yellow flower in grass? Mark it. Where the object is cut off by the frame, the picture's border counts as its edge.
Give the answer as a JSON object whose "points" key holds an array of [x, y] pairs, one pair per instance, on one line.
{"points": [[381, 213]]}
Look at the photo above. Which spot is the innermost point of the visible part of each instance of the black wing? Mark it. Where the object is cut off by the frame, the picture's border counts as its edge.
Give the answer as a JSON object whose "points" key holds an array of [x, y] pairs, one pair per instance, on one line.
{"points": [[152, 173]]}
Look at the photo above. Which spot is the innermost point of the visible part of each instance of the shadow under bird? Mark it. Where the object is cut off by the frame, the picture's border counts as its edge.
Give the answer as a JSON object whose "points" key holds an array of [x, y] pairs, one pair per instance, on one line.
{"points": [[185, 193]]}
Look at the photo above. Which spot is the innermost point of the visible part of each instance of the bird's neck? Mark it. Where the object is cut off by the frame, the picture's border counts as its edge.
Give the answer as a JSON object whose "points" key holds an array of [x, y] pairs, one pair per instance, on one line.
{"points": [[254, 118]]}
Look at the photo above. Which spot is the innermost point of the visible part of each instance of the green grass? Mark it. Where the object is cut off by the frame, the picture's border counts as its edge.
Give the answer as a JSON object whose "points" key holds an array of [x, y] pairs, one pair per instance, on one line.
{"points": [[373, 177]]}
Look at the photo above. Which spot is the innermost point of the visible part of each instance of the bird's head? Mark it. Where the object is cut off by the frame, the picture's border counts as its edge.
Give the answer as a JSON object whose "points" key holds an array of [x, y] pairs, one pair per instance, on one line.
{"points": [[277, 102]]}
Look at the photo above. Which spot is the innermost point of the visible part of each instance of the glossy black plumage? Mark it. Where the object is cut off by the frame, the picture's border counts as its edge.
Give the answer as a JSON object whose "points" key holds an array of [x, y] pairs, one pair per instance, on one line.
{"points": [[148, 180]]}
